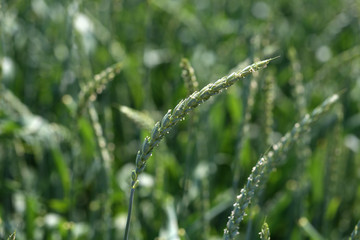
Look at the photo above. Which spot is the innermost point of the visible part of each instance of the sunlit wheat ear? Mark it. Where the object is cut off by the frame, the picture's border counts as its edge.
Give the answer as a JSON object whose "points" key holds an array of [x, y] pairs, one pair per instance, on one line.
{"points": [[355, 235], [141, 119], [172, 117], [94, 87], [265, 232], [32, 128], [188, 75], [273, 158]]}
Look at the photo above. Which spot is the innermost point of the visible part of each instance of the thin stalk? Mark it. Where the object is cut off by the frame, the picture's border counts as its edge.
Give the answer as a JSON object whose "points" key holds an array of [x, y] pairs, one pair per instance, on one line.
{"points": [[127, 228]]}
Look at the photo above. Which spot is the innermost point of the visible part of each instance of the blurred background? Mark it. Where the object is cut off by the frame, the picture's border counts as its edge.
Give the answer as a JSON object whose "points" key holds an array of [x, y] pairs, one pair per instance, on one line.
{"points": [[66, 174]]}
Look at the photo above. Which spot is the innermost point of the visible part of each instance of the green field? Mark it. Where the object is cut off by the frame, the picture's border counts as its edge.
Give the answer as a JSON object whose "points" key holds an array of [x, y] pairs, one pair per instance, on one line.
{"points": [[208, 119]]}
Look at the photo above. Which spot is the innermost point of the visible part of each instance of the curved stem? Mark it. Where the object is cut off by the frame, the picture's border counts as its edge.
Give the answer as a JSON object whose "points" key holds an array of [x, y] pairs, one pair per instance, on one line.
{"points": [[127, 228]]}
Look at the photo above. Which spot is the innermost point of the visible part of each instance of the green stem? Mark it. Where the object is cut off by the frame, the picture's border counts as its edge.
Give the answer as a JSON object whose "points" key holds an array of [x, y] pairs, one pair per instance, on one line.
{"points": [[127, 228]]}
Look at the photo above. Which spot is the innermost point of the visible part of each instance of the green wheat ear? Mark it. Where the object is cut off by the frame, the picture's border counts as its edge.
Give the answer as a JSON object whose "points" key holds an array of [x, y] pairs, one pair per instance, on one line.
{"points": [[273, 158], [173, 116]]}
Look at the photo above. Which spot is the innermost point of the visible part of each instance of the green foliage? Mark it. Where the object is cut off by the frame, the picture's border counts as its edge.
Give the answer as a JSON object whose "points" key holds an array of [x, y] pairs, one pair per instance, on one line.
{"points": [[71, 123]]}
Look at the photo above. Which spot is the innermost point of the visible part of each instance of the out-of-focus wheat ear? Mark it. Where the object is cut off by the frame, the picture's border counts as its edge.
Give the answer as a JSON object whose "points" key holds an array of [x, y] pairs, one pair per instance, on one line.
{"points": [[355, 235], [141, 119], [33, 128], [272, 158], [265, 232], [96, 86], [101, 142], [297, 82], [188, 75], [11, 104], [269, 106]]}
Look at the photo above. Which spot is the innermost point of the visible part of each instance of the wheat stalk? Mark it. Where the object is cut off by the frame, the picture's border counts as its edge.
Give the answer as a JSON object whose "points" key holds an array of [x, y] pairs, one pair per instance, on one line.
{"points": [[172, 117], [297, 82], [100, 138], [267, 163]]}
